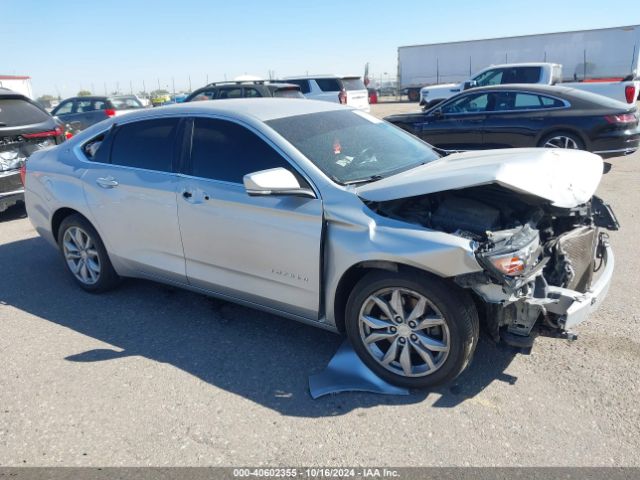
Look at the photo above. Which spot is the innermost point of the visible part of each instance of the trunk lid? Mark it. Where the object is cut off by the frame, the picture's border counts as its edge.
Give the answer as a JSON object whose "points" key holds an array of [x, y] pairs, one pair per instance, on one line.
{"points": [[566, 178]]}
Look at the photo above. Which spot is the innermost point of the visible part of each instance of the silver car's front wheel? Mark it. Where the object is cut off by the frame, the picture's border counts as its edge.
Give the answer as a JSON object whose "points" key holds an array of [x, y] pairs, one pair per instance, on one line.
{"points": [[85, 254], [410, 328], [404, 332], [82, 258]]}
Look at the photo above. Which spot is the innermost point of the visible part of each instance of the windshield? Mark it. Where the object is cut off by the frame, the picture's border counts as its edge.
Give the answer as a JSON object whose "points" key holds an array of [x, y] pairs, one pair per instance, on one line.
{"points": [[350, 146]]}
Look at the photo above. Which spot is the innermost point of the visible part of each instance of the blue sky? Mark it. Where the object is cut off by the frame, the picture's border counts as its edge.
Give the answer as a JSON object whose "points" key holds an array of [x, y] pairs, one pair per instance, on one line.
{"points": [[69, 44]]}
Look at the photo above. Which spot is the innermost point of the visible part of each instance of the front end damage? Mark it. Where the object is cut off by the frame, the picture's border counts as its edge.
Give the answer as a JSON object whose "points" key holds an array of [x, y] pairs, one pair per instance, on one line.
{"points": [[543, 265]]}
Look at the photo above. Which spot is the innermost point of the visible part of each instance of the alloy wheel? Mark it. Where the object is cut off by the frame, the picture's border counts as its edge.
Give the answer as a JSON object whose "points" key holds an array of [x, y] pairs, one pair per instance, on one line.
{"points": [[561, 141], [404, 332], [81, 255]]}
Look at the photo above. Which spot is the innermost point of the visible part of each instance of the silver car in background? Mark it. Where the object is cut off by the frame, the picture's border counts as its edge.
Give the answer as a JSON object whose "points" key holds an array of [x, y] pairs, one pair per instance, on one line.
{"points": [[329, 216]]}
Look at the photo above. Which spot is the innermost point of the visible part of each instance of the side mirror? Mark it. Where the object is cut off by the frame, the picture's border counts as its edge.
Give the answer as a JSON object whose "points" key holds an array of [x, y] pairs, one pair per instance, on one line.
{"points": [[275, 181], [469, 84]]}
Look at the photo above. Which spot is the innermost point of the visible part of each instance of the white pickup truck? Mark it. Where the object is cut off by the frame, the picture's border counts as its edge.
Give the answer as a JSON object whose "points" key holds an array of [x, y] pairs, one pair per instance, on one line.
{"points": [[538, 73]]}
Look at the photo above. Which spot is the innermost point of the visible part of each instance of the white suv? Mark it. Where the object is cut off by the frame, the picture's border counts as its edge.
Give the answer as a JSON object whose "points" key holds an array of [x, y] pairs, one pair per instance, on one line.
{"points": [[348, 90]]}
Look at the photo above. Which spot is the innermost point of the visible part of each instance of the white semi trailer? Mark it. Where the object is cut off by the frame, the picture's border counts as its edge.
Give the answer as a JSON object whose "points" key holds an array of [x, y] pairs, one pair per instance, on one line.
{"points": [[18, 83], [601, 54]]}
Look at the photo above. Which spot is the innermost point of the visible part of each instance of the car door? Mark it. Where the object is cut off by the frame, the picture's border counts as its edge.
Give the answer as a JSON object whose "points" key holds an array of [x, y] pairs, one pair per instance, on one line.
{"points": [[516, 119], [130, 186], [265, 249], [457, 124]]}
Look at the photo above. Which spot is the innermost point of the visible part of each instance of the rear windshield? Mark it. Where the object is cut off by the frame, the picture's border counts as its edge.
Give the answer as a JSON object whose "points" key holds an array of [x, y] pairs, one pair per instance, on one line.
{"points": [[125, 103], [15, 112], [328, 84], [353, 84], [288, 93]]}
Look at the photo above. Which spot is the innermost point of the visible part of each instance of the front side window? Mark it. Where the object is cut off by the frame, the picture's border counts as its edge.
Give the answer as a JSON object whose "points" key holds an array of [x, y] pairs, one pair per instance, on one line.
{"points": [[148, 144], [490, 77], [473, 103], [350, 146], [226, 151]]}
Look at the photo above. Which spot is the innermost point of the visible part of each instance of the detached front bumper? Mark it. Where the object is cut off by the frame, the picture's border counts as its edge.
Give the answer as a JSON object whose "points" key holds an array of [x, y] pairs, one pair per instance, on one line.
{"points": [[574, 307]]}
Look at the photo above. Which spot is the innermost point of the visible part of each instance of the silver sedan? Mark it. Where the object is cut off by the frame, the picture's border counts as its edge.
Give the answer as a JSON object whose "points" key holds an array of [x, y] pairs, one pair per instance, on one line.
{"points": [[329, 216]]}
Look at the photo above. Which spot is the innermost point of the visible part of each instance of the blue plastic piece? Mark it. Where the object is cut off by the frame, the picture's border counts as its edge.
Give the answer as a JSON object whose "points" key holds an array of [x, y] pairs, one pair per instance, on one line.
{"points": [[346, 373]]}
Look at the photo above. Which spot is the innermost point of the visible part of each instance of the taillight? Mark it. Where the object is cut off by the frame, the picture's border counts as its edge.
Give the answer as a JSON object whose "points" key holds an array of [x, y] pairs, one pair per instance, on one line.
{"points": [[110, 112], [630, 93], [49, 133], [622, 118], [342, 97], [23, 173], [68, 135]]}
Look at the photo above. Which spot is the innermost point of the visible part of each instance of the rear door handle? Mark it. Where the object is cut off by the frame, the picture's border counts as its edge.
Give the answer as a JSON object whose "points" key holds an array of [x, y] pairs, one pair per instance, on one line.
{"points": [[107, 182], [187, 195]]}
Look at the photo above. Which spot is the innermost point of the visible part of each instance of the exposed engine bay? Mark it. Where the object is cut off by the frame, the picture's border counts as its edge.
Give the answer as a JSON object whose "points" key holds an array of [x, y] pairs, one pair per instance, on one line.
{"points": [[533, 253]]}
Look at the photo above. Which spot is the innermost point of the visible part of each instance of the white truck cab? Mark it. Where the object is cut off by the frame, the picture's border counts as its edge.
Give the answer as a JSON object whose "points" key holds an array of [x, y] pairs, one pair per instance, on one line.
{"points": [[537, 73]]}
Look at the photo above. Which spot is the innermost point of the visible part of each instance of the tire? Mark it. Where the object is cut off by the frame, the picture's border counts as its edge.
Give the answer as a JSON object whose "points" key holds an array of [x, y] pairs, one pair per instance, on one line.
{"points": [[559, 139], [81, 245], [447, 307]]}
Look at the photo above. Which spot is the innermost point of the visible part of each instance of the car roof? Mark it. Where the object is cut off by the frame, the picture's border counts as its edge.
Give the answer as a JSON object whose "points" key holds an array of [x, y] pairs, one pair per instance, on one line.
{"points": [[522, 64], [531, 87], [262, 109], [89, 97], [325, 75], [6, 93]]}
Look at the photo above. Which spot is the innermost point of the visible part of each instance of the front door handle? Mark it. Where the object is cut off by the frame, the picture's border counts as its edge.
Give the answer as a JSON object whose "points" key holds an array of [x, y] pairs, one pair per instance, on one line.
{"points": [[107, 182], [187, 195]]}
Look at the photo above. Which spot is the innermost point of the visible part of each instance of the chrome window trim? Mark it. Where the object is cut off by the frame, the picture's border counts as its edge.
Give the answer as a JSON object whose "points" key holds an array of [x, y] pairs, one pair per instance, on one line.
{"points": [[78, 150], [566, 104]]}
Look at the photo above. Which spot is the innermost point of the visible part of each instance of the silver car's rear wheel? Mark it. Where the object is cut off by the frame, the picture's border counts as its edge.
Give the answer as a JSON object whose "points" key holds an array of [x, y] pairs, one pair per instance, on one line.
{"points": [[404, 332], [81, 255]]}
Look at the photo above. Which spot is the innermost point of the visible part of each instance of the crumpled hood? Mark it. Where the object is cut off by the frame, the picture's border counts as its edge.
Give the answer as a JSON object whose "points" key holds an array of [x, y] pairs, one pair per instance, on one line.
{"points": [[566, 178]]}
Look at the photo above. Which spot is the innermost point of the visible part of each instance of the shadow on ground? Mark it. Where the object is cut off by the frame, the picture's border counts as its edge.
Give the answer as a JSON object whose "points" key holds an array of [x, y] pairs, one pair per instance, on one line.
{"points": [[259, 356]]}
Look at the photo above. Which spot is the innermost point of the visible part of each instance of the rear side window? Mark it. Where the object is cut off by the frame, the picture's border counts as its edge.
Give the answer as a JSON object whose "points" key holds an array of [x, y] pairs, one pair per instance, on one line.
{"points": [[15, 112], [549, 102], [83, 106], [353, 84], [525, 75], [328, 84], [303, 84], [227, 151], [527, 100], [147, 144], [251, 92]]}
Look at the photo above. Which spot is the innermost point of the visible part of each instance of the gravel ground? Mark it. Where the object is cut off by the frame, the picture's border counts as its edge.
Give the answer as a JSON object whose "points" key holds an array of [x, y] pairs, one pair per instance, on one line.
{"points": [[149, 375]]}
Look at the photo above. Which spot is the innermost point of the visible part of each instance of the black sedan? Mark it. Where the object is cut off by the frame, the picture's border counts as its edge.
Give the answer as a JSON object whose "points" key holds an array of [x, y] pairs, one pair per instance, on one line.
{"points": [[507, 116]]}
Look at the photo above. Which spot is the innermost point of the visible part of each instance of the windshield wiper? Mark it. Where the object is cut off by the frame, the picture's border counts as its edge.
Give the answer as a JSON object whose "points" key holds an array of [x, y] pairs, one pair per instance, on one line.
{"points": [[372, 178]]}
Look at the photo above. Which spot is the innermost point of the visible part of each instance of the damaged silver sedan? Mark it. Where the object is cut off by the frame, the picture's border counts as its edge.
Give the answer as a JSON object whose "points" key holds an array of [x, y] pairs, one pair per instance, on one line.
{"points": [[329, 216]]}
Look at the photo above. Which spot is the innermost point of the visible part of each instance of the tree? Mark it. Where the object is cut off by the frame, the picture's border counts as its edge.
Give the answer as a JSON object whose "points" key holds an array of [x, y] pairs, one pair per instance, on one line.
{"points": [[84, 93], [45, 100]]}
